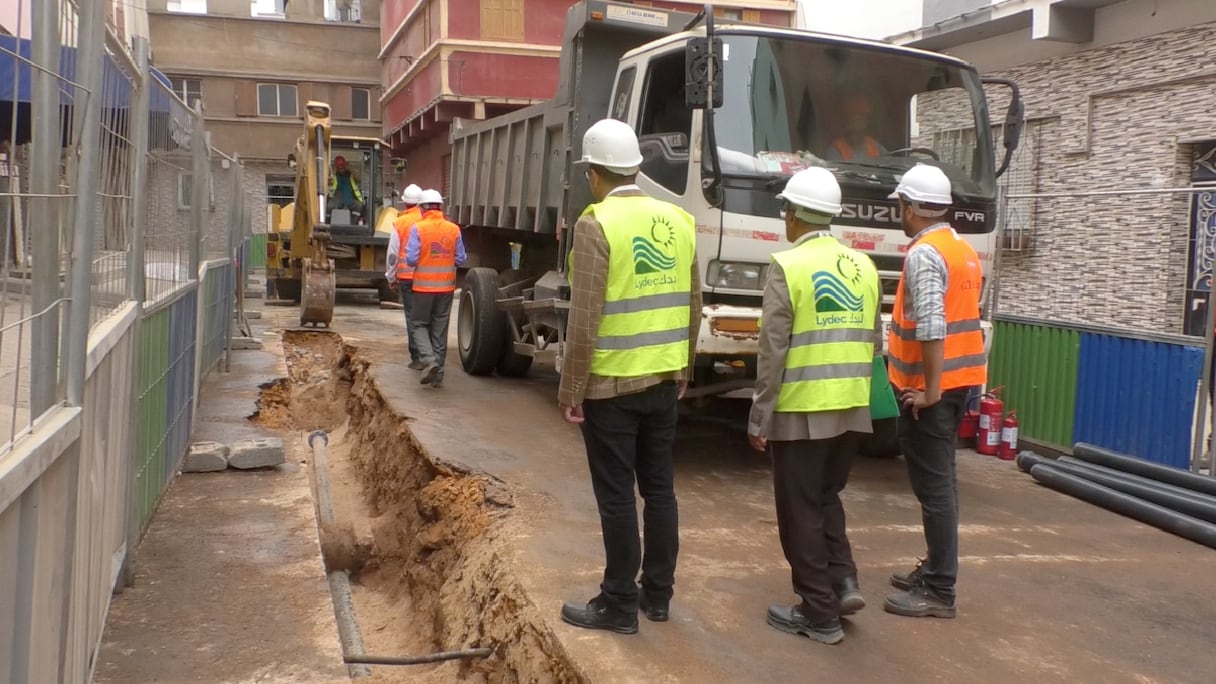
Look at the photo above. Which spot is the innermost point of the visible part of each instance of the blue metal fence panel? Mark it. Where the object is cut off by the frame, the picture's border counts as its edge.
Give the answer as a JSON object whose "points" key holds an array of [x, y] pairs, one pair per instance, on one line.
{"points": [[1137, 397], [182, 339]]}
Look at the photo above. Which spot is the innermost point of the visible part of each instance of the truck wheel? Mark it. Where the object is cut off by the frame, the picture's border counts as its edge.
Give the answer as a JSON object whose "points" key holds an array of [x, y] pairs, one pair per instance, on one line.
{"points": [[387, 295], [883, 443], [479, 324], [512, 364]]}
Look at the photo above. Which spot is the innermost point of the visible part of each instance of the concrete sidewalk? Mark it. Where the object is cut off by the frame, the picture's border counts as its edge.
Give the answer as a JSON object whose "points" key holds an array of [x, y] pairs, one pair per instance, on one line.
{"points": [[229, 582]]}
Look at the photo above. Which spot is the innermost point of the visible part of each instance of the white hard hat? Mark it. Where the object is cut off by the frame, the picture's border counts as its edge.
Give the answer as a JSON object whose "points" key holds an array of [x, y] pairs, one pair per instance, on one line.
{"points": [[612, 144], [430, 197], [924, 184], [815, 189], [412, 194]]}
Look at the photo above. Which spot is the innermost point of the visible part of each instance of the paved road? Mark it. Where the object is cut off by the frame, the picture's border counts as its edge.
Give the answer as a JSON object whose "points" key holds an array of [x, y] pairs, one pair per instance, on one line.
{"points": [[1052, 589]]}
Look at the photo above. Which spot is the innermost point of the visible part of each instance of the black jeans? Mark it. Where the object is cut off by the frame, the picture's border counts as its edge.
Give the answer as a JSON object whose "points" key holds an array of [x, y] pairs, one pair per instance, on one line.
{"points": [[808, 477], [429, 317], [928, 444], [405, 292], [630, 438]]}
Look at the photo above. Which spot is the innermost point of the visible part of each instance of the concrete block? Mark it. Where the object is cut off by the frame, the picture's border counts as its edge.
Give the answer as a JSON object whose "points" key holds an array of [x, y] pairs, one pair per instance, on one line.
{"points": [[255, 294], [251, 315], [394, 306], [256, 453], [246, 343], [205, 457]]}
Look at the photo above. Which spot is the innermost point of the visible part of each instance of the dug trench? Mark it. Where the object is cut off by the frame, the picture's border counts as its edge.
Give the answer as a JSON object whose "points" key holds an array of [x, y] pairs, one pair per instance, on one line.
{"points": [[421, 538]]}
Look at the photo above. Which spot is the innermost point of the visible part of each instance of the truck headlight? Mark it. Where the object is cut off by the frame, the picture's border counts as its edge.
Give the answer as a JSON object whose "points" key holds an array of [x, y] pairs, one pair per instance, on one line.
{"points": [[735, 275]]}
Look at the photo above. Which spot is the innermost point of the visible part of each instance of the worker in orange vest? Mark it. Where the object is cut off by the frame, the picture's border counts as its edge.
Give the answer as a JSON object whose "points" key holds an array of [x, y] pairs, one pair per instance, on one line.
{"points": [[434, 249], [400, 275], [856, 143], [936, 355]]}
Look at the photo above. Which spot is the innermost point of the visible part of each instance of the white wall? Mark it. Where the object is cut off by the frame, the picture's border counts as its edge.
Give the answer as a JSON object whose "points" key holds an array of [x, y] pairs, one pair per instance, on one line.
{"points": [[9, 9], [860, 18]]}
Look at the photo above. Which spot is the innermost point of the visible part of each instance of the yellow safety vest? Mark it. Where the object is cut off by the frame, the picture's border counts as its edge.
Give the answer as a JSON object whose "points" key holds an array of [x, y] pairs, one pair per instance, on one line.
{"points": [[644, 328], [835, 295], [333, 186]]}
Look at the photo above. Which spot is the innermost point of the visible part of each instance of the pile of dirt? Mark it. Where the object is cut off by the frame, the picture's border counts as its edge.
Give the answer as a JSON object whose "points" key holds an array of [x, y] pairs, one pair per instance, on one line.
{"points": [[424, 551]]}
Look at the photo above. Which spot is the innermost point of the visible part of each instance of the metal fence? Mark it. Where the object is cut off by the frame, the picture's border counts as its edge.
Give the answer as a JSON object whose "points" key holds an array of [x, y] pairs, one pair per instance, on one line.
{"points": [[122, 228], [1092, 304]]}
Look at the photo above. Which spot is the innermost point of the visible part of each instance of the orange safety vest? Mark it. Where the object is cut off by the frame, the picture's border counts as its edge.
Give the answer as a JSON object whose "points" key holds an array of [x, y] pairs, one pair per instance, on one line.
{"points": [[965, 364], [846, 151], [437, 236], [402, 225]]}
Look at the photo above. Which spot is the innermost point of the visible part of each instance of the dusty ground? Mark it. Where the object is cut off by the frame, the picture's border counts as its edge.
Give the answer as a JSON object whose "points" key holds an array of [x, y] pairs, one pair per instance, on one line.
{"points": [[466, 517]]}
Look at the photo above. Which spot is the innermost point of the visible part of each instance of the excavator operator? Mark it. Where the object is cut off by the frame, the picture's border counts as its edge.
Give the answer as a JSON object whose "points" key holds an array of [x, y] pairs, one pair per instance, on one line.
{"points": [[344, 192]]}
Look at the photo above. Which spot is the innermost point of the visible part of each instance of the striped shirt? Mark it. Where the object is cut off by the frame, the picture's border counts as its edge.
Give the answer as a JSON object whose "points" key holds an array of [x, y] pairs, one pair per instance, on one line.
{"points": [[925, 280]]}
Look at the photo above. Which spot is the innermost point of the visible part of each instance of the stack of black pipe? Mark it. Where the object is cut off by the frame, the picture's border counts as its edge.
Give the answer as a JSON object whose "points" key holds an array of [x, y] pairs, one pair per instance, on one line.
{"points": [[1174, 500]]}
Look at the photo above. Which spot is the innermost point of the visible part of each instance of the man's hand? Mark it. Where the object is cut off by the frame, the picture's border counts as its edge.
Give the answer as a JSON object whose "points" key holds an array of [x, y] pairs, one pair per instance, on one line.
{"points": [[758, 443], [573, 414], [917, 399], [681, 388], [392, 285]]}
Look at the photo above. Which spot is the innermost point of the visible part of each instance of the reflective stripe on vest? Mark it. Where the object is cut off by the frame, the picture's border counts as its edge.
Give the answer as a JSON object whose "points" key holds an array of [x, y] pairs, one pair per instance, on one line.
{"points": [[436, 271], [354, 187], [645, 325], [835, 294], [846, 150], [402, 224], [965, 364]]}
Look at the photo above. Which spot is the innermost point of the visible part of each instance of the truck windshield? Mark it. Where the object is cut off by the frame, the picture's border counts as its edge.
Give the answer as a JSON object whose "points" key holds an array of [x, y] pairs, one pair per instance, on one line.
{"points": [[867, 113]]}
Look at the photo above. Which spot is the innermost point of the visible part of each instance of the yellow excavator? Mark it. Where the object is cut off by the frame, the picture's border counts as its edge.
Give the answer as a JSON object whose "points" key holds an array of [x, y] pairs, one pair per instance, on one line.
{"points": [[314, 248]]}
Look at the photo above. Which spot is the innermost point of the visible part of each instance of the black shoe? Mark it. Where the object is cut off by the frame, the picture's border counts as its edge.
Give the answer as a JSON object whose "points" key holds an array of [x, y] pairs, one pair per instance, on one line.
{"points": [[417, 365], [789, 619], [907, 580], [596, 614], [428, 374], [919, 601], [851, 599], [656, 610]]}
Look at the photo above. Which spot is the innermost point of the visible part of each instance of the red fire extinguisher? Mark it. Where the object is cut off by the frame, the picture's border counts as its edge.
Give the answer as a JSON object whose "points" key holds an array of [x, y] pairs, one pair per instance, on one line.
{"points": [[1009, 438], [992, 409]]}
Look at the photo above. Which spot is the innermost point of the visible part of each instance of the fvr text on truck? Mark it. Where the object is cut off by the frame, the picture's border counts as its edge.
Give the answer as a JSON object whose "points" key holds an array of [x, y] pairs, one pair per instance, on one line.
{"points": [[724, 116]]}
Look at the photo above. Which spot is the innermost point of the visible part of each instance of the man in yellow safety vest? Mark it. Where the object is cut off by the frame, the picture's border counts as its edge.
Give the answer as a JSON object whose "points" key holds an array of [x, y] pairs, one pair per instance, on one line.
{"points": [[821, 329], [635, 312]]}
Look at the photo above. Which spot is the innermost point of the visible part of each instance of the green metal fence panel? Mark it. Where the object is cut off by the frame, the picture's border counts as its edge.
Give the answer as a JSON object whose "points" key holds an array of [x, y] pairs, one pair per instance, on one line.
{"points": [[1037, 365], [153, 409], [256, 253]]}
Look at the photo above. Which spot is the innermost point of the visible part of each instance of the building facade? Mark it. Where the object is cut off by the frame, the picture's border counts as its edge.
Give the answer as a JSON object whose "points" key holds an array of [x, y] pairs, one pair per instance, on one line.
{"points": [[255, 63], [1118, 97], [475, 59]]}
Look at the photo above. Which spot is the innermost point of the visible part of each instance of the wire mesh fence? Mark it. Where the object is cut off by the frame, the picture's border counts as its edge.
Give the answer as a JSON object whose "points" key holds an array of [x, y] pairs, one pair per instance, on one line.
{"points": [[169, 193]]}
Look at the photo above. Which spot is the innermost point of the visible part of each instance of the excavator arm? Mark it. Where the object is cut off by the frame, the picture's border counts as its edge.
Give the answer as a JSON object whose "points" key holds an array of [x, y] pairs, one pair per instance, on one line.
{"points": [[310, 235]]}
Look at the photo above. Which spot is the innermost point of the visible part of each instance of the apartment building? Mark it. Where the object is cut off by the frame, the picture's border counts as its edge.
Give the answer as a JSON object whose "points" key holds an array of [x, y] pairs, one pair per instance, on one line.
{"points": [[255, 63], [474, 59]]}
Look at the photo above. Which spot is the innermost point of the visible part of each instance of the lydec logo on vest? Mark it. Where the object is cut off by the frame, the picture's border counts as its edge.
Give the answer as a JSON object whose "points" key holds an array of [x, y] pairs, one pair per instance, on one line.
{"points": [[652, 256], [438, 249], [836, 298]]}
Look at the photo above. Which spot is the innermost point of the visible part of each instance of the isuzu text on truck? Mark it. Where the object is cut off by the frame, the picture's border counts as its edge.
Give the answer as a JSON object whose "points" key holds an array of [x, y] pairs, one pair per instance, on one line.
{"points": [[724, 116]]}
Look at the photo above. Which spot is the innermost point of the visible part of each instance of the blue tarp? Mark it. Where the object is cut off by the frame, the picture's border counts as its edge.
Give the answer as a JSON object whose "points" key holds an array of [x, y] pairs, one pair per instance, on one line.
{"points": [[15, 77]]}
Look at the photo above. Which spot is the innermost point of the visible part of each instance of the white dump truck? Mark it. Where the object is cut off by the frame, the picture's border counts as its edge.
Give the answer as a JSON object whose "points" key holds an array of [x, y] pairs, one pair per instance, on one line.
{"points": [[725, 114]]}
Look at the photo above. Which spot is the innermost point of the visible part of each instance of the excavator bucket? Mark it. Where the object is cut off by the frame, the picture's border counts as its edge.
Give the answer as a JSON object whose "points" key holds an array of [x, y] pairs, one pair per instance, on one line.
{"points": [[317, 294]]}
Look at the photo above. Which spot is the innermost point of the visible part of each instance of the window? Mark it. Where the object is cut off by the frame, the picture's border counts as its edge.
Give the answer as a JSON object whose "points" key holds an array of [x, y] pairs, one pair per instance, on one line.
{"points": [[189, 90], [184, 183], [342, 10], [280, 191], [502, 19], [187, 6], [277, 99], [729, 13], [665, 123], [624, 92], [268, 8], [360, 104]]}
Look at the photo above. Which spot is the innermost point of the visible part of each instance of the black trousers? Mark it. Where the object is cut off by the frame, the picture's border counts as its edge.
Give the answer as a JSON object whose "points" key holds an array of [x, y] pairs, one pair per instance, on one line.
{"points": [[928, 444], [630, 438], [808, 476]]}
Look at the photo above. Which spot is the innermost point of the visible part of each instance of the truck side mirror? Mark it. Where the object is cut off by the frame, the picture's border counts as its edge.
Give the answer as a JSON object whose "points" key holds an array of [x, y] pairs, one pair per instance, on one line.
{"points": [[699, 61], [1015, 118]]}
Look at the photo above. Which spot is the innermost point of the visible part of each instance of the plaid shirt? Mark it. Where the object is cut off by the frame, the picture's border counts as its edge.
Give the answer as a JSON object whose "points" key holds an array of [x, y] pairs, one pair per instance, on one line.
{"points": [[588, 283], [925, 280]]}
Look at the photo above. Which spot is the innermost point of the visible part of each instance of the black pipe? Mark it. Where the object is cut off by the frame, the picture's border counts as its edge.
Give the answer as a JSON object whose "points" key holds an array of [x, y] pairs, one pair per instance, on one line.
{"points": [[1136, 466], [1143, 490], [419, 660], [1162, 486], [1149, 513], [1029, 459]]}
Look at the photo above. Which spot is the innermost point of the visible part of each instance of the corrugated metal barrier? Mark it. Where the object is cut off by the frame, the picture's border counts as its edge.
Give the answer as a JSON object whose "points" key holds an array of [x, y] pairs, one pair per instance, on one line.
{"points": [[1137, 396], [1123, 390]]}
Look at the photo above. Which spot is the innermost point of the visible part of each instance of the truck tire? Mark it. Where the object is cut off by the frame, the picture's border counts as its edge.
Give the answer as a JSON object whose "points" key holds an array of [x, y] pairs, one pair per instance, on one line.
{"points": [[479, 324], [512, 364], [883, 443]]}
